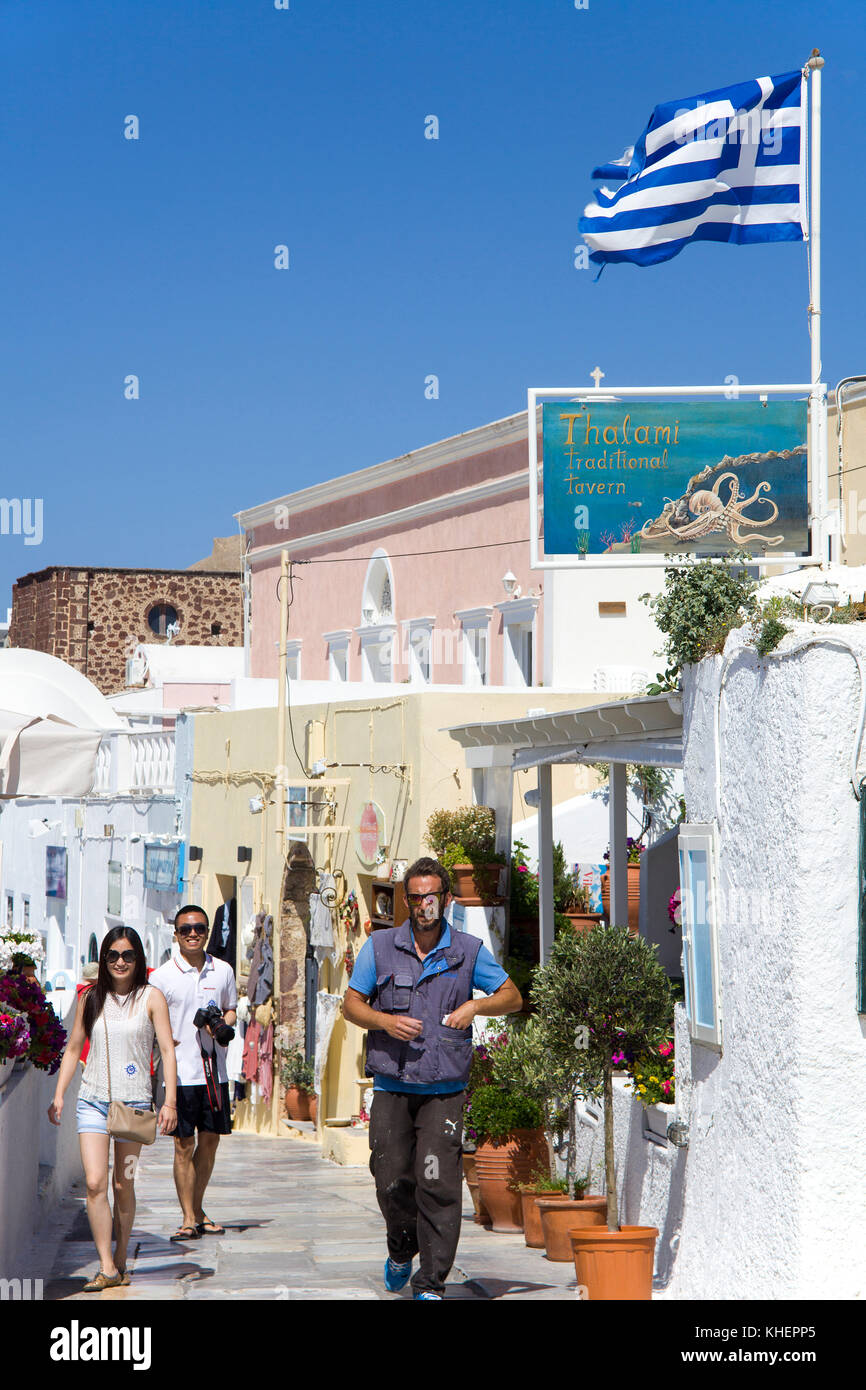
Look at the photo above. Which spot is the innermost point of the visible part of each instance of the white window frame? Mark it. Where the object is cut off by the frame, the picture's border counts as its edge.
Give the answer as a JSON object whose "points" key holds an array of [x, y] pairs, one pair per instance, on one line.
{"points": [[293, 659], [476, 627], [699, 901], [338, 646], [376, 637], [413, 630], [378, 570], [518, 623]]}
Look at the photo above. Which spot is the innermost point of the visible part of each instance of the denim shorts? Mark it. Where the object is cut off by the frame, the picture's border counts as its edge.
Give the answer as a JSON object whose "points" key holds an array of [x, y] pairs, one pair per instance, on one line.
{"points": [[92, 1115]]}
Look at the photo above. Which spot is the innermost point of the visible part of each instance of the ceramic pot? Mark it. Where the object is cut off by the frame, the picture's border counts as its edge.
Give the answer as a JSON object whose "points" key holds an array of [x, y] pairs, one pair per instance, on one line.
{"points": [[633, 871], [558, 1218], [615, 1265], [482, 1215], [313, 1106], [475, 884], [297, 1103], [501, 1167], [533, 1233]]}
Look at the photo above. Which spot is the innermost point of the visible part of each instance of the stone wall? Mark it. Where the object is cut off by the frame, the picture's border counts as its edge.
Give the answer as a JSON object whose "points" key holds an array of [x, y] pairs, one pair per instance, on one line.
{"points": [[94, 618]]}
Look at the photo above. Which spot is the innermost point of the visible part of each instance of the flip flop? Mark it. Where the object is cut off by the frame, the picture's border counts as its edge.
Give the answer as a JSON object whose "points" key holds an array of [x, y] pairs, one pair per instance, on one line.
{"points": [[184, 1233], [215, 1230]]}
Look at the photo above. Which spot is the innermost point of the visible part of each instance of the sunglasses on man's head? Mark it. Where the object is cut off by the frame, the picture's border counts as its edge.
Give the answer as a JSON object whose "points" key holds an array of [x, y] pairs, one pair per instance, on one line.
{"points": [[416, 899], [194, 929], [114, 956]]}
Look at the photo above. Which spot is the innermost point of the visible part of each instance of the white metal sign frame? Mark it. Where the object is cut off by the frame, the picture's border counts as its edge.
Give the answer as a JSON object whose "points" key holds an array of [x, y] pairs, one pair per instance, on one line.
{"points": [[817, 455]]}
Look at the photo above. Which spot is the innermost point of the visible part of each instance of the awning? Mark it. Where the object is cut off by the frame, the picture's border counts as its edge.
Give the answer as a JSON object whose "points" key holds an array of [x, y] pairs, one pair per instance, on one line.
{"points": [[648, 729], [45, 756]]}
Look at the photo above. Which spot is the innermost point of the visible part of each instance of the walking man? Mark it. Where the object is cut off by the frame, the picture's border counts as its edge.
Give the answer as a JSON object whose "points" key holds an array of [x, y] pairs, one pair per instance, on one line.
{"points": [[191, 981], [412, 987]]}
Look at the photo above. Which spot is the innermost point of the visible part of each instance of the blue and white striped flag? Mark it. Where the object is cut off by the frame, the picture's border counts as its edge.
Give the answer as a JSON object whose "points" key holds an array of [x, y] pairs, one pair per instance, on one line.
{"points": [[727, 165]]}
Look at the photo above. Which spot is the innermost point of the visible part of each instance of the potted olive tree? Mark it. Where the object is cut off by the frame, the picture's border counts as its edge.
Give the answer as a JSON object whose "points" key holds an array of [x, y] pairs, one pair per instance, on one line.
{"points": [[298, 1079], [602, 994]]}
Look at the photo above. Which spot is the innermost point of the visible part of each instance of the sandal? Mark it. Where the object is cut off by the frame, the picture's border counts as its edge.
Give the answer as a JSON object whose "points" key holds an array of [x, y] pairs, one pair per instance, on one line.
{"points": [[206, 1227], [184, 1233], [102, 1281]]}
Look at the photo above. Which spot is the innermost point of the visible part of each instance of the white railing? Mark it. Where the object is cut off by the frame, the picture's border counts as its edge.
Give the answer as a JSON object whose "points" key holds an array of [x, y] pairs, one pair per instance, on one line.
{"points": [[135, 762]]}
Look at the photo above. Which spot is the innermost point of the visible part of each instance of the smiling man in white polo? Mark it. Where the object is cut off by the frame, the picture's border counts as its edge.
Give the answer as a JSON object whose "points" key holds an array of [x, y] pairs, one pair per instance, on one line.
{"points": [[191, 982]]}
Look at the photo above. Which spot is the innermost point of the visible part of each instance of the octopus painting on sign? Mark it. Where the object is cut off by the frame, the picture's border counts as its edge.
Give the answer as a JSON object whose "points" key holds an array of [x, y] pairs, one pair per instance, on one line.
{"points": [[653, 478]]}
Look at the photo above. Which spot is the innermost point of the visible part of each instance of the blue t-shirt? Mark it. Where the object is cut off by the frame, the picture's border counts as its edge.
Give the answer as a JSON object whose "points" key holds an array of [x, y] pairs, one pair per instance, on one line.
{"points": [[487, 976]]}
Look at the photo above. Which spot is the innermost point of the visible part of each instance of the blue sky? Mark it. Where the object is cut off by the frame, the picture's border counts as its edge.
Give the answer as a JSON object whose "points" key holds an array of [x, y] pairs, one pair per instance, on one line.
{"points": [[408, 256]]}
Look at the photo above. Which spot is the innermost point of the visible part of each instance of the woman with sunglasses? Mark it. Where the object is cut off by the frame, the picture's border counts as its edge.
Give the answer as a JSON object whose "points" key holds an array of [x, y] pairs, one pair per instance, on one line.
{"points": [[118, 1015]]}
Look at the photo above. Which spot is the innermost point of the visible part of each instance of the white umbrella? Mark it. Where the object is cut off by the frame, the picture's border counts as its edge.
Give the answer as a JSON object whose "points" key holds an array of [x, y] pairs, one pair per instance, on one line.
{"points": [[45, 756]]}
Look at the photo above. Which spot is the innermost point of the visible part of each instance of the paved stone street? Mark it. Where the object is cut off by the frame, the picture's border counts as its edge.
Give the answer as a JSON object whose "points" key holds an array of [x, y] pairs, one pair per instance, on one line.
{"points": [[297, 1227]]}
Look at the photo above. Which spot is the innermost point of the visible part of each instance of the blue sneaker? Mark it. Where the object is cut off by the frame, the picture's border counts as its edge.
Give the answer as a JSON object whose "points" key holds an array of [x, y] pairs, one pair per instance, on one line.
{"points": [[396, 1276], [426, 1295]]}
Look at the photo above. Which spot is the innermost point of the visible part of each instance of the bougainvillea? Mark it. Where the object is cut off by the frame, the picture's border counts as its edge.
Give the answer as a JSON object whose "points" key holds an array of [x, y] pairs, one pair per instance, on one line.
{"points": [[47, 1034]]}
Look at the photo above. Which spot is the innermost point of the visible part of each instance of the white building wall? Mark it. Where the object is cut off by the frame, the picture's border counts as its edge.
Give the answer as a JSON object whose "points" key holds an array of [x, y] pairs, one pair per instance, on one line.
{"points": [[68, 923], [580, 642], [776, 1166]]}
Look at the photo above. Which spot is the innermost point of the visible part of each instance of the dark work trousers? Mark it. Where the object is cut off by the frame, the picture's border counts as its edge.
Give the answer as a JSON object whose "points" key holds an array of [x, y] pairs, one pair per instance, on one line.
{"points": [[416, 1158]]}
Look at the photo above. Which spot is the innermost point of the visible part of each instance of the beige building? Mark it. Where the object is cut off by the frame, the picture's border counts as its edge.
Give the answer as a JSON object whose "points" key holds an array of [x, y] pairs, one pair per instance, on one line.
{"points": [[393, 752]]}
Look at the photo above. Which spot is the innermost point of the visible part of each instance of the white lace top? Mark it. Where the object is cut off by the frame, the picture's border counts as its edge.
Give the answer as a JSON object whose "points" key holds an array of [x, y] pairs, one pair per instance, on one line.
{"points": [[130, 1042]]}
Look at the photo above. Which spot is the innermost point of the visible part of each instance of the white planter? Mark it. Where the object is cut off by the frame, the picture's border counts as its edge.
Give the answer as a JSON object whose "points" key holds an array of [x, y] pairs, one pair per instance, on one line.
{"points": [[657, 1118], [6, 1069]]}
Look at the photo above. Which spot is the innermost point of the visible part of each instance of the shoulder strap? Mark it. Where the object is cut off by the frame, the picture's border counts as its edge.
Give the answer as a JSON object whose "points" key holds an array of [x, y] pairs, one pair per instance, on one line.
{"points": [[107, 1057]]}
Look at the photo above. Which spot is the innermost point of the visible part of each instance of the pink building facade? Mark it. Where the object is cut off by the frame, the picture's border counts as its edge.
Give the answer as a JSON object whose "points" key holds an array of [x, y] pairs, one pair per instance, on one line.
{"points": [[412, 570]]}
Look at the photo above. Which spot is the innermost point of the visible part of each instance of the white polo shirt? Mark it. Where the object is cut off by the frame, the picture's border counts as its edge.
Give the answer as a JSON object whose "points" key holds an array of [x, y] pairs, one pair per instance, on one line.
{"points": [[187, 990]]}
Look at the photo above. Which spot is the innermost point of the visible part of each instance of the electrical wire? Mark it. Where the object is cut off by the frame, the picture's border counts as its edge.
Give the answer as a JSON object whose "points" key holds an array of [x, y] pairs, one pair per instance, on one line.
{"points": [[408, 554]]}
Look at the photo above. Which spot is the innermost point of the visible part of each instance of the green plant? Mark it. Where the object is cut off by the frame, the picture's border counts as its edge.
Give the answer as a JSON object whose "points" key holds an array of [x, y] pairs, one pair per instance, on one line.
{"points": [[599, 995], [493, 1113], [701, 603], [295, 1071], [542, 1181], [453, 854], [652, 1075], [472, 829]]}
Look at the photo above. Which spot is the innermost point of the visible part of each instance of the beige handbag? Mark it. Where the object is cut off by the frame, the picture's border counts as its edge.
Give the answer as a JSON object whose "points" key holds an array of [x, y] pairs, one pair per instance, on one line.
{"points": [[125, 1122]]}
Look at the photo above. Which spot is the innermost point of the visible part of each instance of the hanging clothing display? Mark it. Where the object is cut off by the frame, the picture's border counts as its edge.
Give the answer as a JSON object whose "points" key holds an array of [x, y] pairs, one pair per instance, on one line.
{"points": [[266, 1063], [223, 937], [322, 937], [327, 1008], [260, 985], [251, 1051]]}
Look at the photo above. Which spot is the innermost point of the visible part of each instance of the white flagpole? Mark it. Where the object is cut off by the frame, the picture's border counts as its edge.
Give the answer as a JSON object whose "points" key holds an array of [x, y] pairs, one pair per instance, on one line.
{"points": [[818, 413]]}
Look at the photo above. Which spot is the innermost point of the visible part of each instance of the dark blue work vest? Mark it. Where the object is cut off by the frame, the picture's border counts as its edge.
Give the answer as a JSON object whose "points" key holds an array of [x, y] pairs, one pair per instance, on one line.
{"points": [[440, 1053]]}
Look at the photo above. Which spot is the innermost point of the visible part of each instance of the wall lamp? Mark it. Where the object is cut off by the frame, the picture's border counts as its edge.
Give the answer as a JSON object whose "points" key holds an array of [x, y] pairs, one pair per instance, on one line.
{"points": [[510, 585], [195, 852], [245, 854], [678, 1134]]}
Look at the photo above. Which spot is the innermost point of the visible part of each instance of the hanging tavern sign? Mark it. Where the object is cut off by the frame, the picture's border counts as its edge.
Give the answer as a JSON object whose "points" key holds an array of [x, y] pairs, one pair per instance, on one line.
{"points": [[629, 479]]}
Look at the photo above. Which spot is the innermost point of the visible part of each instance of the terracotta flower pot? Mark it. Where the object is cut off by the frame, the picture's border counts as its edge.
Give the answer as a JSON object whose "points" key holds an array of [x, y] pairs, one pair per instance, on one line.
{"points": [[474, 884], [501, 1167], [297, 1103], [313, 1105], [633, 871], [559, 1218], [482, 1215], [615, 1264], [583, 921], [533, 1233]]}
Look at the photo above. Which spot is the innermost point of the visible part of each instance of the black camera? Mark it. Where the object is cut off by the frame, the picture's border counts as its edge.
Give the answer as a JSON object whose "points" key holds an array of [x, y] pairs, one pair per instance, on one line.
{"points": [[212, 1017]]}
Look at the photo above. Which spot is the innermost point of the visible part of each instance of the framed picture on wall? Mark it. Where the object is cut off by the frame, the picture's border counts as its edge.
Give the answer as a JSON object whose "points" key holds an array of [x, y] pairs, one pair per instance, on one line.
{"points": [[55, 871], [160, 867]]}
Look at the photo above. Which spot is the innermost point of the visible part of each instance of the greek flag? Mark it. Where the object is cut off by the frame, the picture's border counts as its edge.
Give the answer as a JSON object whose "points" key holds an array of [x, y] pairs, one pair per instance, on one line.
{"points": [[727, 165]]}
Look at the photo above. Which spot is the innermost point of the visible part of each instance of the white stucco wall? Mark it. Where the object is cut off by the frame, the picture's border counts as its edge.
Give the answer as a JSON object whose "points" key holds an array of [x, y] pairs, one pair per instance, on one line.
{"points": [[67, 923], [579, 641], [776, 1166]]}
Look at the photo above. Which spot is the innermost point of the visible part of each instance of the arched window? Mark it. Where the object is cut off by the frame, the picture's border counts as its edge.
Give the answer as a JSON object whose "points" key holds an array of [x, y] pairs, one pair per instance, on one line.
{"points": [[377, 602]]}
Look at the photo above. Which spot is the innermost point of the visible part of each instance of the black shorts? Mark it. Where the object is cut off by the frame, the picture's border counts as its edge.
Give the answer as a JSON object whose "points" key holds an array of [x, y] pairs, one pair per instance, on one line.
{"points": [[194, 1112]]}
